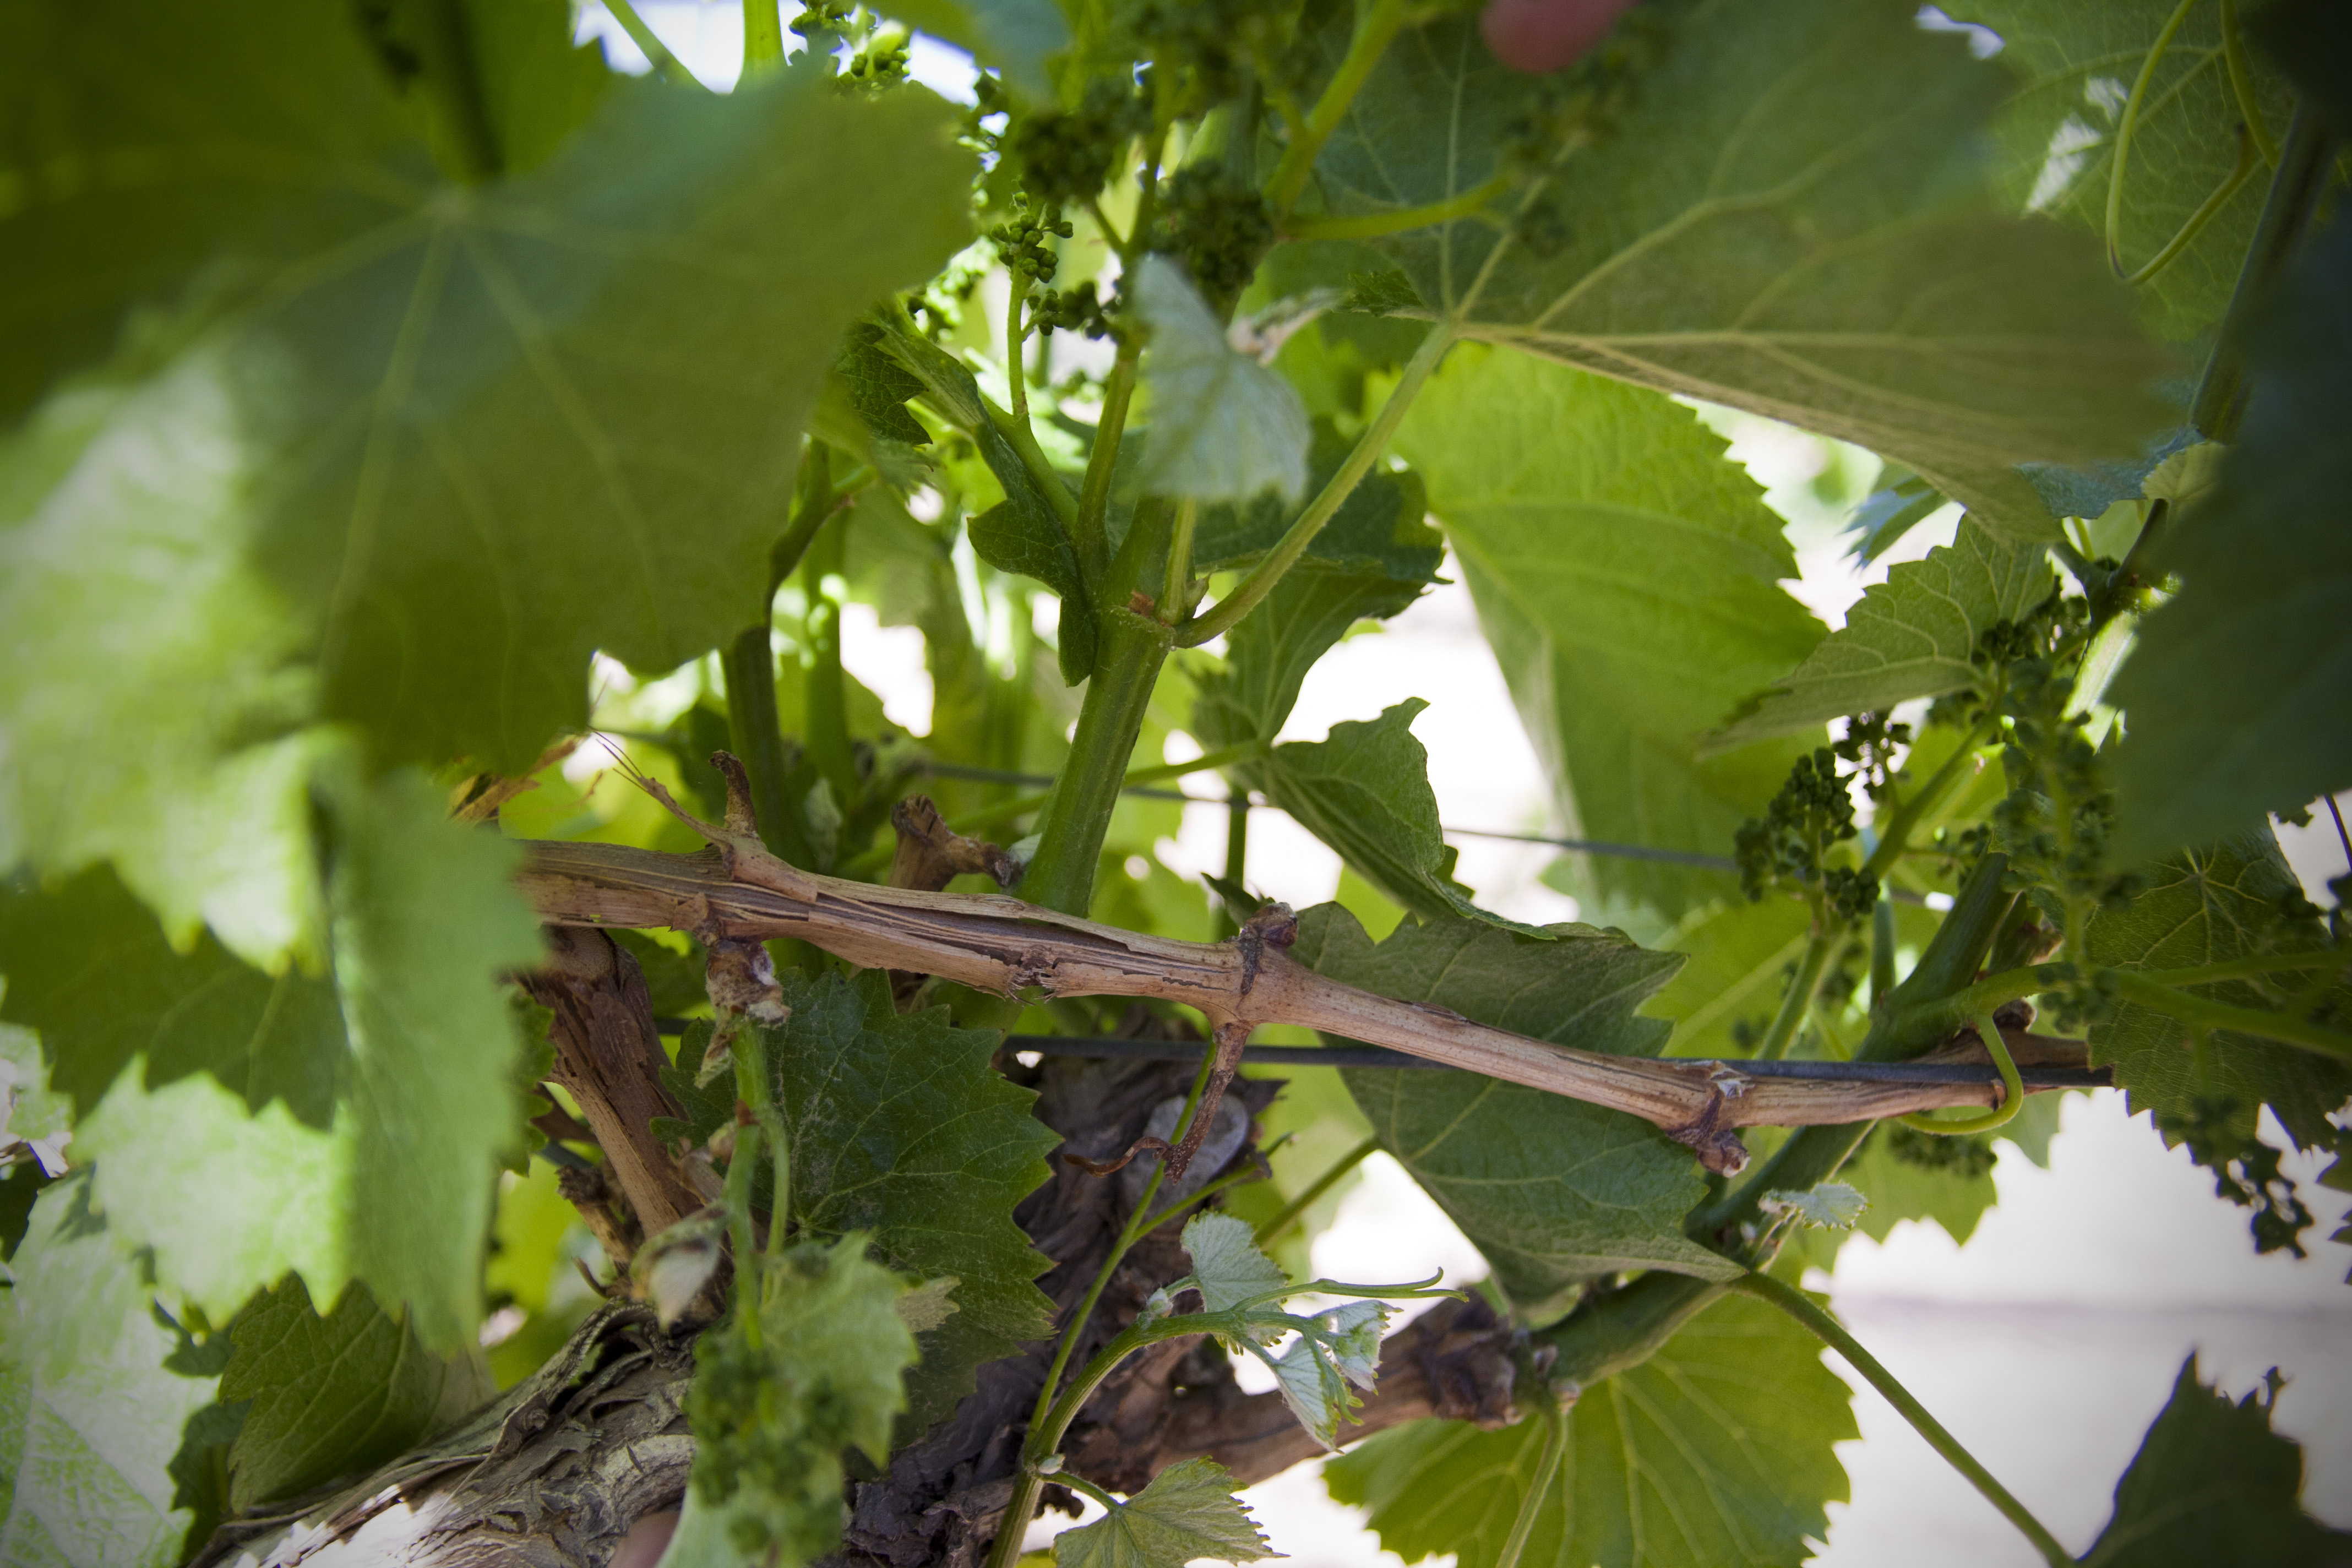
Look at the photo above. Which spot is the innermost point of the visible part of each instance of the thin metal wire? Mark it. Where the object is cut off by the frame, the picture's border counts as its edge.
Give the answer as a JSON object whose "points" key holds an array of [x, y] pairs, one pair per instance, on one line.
{"points": [[1582, 846], [1104, 1046]]}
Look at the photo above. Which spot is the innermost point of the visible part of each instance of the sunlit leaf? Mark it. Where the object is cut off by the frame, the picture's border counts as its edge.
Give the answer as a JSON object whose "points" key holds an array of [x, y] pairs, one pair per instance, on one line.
{"points": [[1224, 427], [1782, 221], [1626, 575], [1717, 1449], [90, 1415]]}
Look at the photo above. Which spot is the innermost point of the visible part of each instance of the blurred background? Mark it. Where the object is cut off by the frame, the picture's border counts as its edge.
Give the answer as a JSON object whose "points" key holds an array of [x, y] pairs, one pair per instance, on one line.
{"points": [[2047, 1337]]}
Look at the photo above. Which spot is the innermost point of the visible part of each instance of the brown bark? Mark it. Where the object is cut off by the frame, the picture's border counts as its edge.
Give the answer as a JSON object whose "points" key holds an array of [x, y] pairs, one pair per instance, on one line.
{"points": [[609, 1058], [1002, 945]]}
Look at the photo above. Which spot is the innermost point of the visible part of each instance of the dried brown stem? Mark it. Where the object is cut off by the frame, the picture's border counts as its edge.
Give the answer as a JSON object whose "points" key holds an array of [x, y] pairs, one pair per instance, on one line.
{"points": [[930, 854], [1002, 945], [609, 1060]]}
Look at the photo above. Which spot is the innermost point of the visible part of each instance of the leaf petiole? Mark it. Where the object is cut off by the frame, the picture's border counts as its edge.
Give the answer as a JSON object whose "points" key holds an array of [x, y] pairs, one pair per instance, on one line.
{"points": [[1297, 1206], [1371, 226], [1832, 1333], [1326, 505], [1374, 30]]}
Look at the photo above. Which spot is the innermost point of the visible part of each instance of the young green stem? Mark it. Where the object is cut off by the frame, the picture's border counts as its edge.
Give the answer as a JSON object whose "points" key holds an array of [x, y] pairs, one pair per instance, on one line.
{"points": [[667, 66], [1374, 29], [1044, 1435], [1297, 1206], [827, 703], [1127, 668], [1799, 1000], [741, 1167], [1180, 561], [2242, 85], [1882, 950], [1371, 226], [1237, 810], [755, 1087], [2012, 1091], [1926, 802], [1262, 578], [749, 665], [763, 36], [1016, 364], [1088, 529], [1832, 1333], [1555, 1438], [2305, 168], [2130, 123], [2203, 1012], [2218, 197]]}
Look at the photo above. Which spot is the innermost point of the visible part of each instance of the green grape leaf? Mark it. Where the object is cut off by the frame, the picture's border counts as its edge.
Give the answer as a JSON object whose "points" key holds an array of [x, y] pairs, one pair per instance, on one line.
{"points": [[1016, 36], [1270, 652], [2076, 61], [2212, 1484], [878, 386], [443, 393], [2225, 683], [1626, 574], [427, 922], [901, 1130], [1834, 273], [1227, 1265], [1224, 426], [35, 1119], [1188, 1512], [330, 1397], [1552, 1191], [96, 974], [238, 1172], [1364, 791], [91, 1414], [2205, 907], [1021, 534], [538, 86], [141, 660], [770, 1420], [1741, 958], [1912, 636], [1379, 528], [1716, 1449]]}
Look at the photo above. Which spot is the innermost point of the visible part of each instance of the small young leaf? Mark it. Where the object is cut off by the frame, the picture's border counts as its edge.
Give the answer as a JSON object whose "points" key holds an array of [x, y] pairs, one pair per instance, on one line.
{"points": [[1831, 1205], [1227, 1265], [1224, 427], [1317, 1396], [332, 1395], [2213, 1485], [770, 1420], [672, 1267], [1188, 1512]]}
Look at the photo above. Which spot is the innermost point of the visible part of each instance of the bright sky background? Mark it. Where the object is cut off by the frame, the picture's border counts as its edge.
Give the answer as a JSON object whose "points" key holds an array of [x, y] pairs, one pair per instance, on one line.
{"points": [[2046, 1345]]}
